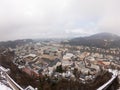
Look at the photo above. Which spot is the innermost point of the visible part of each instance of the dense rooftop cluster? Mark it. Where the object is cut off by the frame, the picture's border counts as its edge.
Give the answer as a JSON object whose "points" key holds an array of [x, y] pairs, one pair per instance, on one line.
{"points": [[51, 65], [64, 61]]}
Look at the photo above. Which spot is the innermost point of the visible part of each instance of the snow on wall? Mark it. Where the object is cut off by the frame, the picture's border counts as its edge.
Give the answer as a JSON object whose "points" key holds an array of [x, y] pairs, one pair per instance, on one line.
{"points": [[4, 87]]}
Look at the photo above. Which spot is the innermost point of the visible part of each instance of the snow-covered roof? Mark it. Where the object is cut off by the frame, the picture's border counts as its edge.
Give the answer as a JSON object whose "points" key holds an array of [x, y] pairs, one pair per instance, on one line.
{"points": [[31, 55], [68, 56], [29, 88]]}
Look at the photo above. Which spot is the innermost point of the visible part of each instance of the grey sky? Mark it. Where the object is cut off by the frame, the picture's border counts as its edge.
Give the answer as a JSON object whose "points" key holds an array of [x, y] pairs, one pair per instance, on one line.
{"points": [[57, 18]]}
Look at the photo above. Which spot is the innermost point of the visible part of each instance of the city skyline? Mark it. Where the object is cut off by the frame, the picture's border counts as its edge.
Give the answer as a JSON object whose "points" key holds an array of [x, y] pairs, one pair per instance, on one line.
{"points": [[57, 18]]}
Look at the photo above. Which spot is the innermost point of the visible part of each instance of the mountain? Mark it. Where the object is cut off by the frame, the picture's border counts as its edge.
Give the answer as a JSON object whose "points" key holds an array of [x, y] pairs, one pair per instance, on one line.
{"points": [[105, 36], [13, 44], [102, 40]]}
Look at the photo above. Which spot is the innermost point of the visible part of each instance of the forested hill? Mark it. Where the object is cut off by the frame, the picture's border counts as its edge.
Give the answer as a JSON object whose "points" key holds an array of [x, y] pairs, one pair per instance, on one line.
{"points": [[102, 40], [13, 44]]}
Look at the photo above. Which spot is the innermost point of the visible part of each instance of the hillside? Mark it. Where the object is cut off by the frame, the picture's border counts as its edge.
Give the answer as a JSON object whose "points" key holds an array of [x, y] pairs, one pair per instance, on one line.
{"points": [[13, 44], [105, 36], [102, 40]]}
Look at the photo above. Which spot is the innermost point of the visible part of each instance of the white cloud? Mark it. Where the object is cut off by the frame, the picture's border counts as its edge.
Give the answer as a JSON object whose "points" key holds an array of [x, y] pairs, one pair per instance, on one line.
{"points": [[57, 18]]}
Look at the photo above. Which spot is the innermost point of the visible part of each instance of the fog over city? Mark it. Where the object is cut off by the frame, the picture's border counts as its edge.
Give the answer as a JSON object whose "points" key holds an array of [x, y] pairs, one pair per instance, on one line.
{"points": [[57, 18]]}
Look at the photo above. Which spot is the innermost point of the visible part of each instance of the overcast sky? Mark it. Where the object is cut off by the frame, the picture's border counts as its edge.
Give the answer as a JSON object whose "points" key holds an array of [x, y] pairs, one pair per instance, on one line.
{"points": [[57, 18]]}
